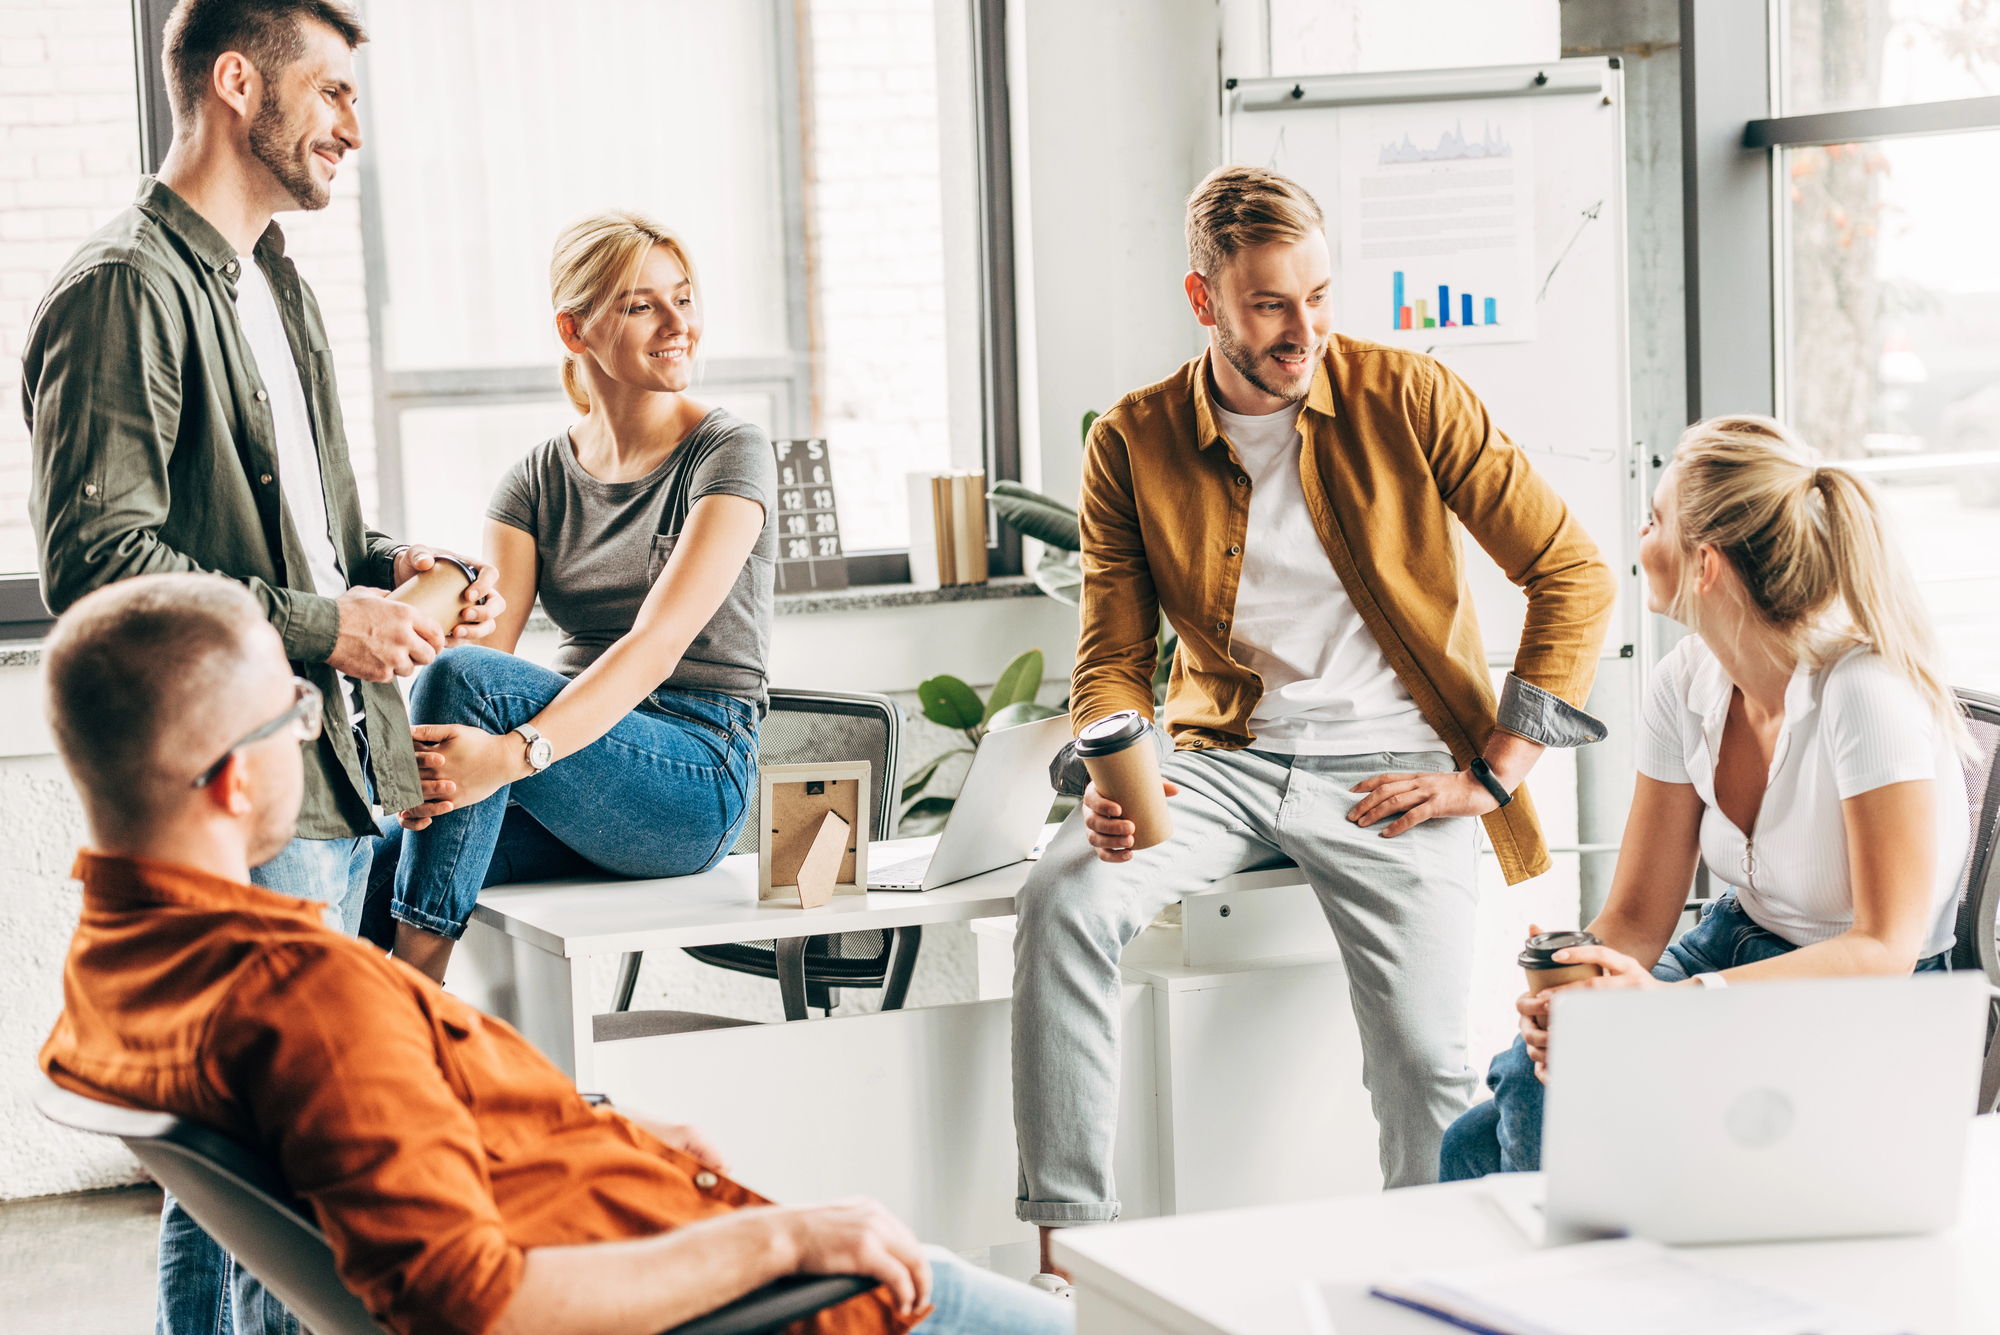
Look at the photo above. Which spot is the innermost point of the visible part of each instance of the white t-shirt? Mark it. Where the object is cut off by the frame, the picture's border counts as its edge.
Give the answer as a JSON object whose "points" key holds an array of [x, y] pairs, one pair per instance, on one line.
{"points": [[298, 455], [1852, 726], [1327, 688]]}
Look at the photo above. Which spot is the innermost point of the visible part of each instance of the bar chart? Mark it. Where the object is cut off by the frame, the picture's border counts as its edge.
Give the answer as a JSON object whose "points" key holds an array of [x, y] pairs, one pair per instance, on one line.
{"points": [[1418, 313]]}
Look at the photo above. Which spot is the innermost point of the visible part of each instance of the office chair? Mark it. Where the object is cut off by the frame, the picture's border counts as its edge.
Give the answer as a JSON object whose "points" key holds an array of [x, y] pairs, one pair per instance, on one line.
{"points": [[1979, 892], [241, 1200], [806, 727]]}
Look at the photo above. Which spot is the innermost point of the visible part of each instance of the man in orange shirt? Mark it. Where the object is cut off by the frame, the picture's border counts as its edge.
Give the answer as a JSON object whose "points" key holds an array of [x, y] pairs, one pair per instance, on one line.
{"points": [[463, 1183]]}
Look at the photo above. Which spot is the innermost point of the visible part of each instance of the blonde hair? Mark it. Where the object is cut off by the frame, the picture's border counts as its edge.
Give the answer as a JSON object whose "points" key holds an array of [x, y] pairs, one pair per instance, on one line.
{"points": [[595, 258], [1812, 547], [1238, 208]]}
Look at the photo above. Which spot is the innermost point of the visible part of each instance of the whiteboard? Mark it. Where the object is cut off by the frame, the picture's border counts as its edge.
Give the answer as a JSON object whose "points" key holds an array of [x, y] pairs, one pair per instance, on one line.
{"points": [[1558, 384]]}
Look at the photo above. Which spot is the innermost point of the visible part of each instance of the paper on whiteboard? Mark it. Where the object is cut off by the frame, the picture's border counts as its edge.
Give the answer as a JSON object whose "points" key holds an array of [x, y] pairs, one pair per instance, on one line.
{"points": [[1437, 223]]}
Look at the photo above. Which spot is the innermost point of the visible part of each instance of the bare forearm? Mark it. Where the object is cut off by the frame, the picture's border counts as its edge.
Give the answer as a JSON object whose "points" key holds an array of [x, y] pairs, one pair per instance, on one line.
{"points": [[1510, 756], [612, 687], [1851, 954], [650, 1284]]}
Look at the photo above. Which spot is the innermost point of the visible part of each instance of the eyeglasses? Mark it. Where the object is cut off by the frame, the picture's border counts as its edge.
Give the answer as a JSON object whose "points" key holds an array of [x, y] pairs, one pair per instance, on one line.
{"points": [[303, 718]]}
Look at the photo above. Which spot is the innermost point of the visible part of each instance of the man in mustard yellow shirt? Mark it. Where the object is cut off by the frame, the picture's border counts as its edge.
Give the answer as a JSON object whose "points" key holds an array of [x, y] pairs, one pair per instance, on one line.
{"points": [[1291, 500]]}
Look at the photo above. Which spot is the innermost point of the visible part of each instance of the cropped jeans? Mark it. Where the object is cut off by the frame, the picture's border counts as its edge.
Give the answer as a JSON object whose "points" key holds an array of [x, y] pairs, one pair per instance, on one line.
{"points": [[664, 793], [1504, 1134]]}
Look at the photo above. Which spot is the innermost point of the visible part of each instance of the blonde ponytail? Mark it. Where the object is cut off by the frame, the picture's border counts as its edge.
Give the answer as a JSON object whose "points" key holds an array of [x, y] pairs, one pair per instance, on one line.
{"points": [[1812, 548], [595, 258]]}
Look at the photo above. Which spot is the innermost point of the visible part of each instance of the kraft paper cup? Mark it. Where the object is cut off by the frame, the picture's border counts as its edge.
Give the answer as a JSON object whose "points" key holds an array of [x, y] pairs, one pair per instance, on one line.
{"points": [[1538, 960], [437, 592], [1124, 767]]}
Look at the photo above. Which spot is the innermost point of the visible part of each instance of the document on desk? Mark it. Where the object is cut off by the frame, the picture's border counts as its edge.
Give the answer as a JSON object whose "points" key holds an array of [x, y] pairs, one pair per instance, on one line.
{"points": [[1627, 1285]]}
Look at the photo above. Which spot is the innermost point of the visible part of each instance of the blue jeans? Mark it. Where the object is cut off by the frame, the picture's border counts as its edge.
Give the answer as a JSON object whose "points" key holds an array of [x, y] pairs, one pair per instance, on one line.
{"points": [[664, 793], [1504, 1134], [972, 1301], [202, 1290]]}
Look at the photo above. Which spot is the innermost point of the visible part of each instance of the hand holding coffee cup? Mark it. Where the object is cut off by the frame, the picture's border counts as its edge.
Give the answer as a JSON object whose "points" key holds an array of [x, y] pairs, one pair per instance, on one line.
{"points": [[439, 593], [1125, 776]]}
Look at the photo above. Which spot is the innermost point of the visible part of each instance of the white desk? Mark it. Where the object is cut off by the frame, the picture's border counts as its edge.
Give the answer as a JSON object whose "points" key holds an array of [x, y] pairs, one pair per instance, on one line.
{"points": [[1239, 1272]]}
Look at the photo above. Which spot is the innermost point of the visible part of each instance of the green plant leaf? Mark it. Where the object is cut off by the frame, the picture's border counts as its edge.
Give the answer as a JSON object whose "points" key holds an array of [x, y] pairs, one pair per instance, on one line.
{"points": [[1021, 711], [1040, 517], [1019, 680], [1088, 418], [925, 817], [950, 703], [1060, 575], [914, 784]]}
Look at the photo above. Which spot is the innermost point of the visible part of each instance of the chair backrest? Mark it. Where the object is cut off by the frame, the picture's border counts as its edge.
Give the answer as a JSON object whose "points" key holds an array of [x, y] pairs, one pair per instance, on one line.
{"points": [[237, 1197], [807, 727], [1979, 891]]}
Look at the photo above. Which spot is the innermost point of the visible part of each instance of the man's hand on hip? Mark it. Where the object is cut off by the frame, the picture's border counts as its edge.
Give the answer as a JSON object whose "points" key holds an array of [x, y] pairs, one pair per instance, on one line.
{"points": [[1415, 798], [1110, 834], [478, 605], [380, 639]]}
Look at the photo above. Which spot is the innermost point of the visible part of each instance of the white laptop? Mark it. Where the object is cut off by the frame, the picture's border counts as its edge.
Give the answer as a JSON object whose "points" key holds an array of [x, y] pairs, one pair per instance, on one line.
{"points": [[1822, 1108], [999, 813]]}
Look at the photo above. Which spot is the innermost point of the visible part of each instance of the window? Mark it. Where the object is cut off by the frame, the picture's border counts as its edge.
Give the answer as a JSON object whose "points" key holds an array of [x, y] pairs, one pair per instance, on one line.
{"points": [[1889, 283]]}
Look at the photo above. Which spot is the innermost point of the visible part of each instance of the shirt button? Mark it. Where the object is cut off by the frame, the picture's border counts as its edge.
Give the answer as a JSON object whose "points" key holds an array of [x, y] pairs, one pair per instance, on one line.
{"points": [[1236, 551], [704, 1179], [90, 488], [1242, 481], [230, 268], [262, 397], [1222, 625], [265, 479]]}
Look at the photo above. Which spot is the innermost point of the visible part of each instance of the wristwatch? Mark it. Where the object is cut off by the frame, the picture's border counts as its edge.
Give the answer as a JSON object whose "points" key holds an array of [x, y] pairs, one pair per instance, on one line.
{"points": [[541, 751], [1484, 773]]}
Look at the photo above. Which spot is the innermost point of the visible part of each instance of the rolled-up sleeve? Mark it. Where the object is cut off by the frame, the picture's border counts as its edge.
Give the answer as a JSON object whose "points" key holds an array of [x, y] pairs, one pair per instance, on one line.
{"points": [[367, 1130]]}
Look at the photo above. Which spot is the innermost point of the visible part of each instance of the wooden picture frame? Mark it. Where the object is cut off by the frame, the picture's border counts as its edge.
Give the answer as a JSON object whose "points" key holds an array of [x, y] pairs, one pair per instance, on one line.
{"points": [[792, 801]]}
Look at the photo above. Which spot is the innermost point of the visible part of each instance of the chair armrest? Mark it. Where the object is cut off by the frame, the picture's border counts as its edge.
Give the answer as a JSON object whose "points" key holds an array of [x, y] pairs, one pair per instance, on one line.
{"points": [[777, 1305]]}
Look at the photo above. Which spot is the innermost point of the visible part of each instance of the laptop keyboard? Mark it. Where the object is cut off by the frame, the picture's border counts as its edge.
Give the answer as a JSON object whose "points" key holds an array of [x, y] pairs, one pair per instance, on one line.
{"points": [[907, 874]]}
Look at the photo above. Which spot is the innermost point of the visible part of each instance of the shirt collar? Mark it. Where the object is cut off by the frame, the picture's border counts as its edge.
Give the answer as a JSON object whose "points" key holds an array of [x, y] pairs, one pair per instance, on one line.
{"points": [[1206, 430], [121, 884], [1709, 690], [210, 246]]}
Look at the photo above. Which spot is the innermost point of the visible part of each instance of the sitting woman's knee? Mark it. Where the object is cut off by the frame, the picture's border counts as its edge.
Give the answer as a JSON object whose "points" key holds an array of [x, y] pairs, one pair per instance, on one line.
{"points": [[454, 687]]}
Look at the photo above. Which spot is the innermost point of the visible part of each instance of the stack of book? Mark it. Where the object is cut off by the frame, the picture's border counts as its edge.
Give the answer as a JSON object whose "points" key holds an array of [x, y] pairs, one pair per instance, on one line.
{"points": [[951, 507]]}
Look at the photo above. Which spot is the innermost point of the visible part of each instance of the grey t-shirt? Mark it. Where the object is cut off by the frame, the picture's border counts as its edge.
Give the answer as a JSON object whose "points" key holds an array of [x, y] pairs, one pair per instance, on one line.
{"points": [[602, 544]]}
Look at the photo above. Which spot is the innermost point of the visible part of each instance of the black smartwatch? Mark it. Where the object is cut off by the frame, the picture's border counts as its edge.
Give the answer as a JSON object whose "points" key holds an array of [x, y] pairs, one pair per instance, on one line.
{"points": [[1483, 772]]}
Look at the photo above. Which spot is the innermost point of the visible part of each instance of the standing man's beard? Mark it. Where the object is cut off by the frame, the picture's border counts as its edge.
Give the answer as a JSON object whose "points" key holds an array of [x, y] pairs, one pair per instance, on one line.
{"points": [[271, 143], [1250, 365]]}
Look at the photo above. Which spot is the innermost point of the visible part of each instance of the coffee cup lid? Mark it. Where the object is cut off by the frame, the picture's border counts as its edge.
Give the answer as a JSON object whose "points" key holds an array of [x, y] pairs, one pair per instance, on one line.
{"points": [[1112, 733], [1540, 952]]}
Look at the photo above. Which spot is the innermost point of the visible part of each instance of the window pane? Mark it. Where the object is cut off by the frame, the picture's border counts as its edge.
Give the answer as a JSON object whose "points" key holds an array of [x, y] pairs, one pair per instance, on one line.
{"points": [[495, 122], [69, 161], [1894, 355], [1843, 54]]}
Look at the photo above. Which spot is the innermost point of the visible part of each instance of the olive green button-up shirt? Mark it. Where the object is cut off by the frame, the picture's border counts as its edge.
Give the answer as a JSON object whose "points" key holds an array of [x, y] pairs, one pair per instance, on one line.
{"points": [[154, 452]]}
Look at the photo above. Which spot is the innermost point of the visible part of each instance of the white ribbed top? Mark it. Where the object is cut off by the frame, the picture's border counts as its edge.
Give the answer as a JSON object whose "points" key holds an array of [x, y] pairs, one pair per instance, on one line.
{"points": [[1852, 726]]}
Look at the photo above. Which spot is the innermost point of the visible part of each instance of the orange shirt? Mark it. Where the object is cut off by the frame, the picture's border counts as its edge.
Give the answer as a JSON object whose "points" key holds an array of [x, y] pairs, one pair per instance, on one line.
{"points": [[434, 1143]]}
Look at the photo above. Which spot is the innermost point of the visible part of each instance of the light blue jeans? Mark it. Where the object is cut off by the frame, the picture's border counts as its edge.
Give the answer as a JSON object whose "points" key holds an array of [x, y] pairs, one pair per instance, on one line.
{"points": [[972, 1301], [202, 1289], [664, 793], [1402, 910], [1504, 1134]]}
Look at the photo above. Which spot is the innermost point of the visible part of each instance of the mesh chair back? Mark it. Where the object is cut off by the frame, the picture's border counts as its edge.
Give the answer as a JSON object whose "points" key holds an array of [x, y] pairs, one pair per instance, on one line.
{"points": [[1980, 888], [238, 1199], [810, 727]]}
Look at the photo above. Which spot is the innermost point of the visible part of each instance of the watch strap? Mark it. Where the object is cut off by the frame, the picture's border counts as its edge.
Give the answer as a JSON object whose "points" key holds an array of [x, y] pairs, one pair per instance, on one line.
{"points": [[1711, 979], [1483, 772]]}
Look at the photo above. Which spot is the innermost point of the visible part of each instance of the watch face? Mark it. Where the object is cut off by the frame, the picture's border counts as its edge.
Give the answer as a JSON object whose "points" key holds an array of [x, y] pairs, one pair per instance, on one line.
{"points": [[540, 752]]}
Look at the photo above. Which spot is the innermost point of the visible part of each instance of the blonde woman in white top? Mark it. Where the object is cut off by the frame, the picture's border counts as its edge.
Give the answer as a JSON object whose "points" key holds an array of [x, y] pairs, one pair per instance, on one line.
{"points": [[1800, 743]]}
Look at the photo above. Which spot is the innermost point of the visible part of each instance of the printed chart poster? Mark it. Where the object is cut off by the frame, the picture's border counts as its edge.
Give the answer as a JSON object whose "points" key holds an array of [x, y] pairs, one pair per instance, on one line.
{"points": [[1437, 223]]}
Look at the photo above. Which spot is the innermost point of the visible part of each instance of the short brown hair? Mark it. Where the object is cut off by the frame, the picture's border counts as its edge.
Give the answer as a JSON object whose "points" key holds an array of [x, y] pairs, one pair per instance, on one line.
{"points": [[1237, 208], [265, 32], [132, 666]]}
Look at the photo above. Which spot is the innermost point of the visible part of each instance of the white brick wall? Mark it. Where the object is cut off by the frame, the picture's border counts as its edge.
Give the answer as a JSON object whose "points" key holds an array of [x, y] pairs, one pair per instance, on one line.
{"points": [[879, 239], [69, 161]]}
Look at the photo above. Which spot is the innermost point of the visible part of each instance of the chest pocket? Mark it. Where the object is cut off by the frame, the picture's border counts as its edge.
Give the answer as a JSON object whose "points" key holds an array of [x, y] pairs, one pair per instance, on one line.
{"points": [[656, 561], [518, 1098]]}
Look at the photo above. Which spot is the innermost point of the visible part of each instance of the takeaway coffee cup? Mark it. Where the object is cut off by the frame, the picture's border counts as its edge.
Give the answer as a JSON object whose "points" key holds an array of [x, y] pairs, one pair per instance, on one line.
{"points": [[1538, 959], [1118, 751], [436, 592]]}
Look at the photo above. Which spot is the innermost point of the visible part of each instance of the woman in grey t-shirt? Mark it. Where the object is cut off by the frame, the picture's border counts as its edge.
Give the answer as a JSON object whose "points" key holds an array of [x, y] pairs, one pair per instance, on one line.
{"points": [[646, 530]]}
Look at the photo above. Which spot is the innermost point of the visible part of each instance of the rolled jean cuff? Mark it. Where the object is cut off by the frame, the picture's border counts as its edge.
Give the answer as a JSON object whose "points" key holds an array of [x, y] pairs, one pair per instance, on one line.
{"points": [[1054, 1214], [449, 928], [1542, 716]]}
